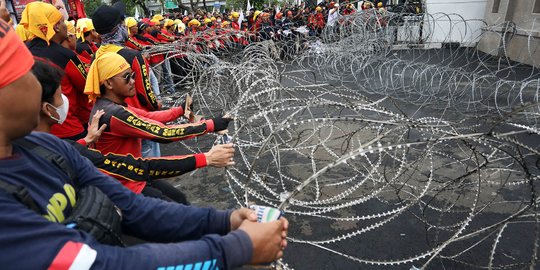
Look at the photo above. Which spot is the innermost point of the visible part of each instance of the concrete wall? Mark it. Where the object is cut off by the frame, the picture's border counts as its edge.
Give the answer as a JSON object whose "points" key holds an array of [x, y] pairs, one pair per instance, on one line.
{"points": [[455, 20], [519, 42]]}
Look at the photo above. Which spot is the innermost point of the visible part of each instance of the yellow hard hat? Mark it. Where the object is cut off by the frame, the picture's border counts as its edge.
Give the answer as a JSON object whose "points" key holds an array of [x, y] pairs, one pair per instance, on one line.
{"points": [[225, 23], [212, 18], [156, 21], [379, 4], [235, 15], [318, 9], [207, 21]]}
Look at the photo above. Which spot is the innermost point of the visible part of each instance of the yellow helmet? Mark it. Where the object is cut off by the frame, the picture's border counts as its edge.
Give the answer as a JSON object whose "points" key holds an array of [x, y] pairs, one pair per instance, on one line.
{"points": [[158, 17], [212, 18], [225, 23], [235, 15], [207, 21], [156, 21], [318, 9]]}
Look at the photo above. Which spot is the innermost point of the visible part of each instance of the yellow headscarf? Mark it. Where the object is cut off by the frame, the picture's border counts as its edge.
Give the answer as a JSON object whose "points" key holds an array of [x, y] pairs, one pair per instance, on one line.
{"points": [[130, 22], [104, 67], [180, 26], [168, 23], [256, 14], [39, 18], [194, 22], [23, 34], [84, 25], [108, 48], [70, 27]]}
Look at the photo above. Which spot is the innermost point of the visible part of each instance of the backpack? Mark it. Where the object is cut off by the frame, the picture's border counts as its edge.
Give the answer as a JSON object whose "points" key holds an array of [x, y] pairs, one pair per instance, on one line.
{"points": [[93, 213]]}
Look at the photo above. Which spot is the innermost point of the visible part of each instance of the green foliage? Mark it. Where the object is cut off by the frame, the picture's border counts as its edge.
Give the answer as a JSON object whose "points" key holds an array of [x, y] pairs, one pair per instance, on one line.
{"points": [[242, 4], [90, 6]]}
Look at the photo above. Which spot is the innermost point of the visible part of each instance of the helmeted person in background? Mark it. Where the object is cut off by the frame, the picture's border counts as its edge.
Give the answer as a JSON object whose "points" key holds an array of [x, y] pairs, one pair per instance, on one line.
{"points": [[87, 37], [217, 239], [47, 24], [122, 167]]}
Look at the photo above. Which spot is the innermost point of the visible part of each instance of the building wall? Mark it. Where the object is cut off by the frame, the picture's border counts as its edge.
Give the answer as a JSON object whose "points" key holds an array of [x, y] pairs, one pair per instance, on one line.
{"points": [[519, 40], [455, 20]]}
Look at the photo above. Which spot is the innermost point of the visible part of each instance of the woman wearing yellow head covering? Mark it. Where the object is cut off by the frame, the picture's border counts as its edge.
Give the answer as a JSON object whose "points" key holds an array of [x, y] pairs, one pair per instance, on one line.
{"points": [[40, 19]]}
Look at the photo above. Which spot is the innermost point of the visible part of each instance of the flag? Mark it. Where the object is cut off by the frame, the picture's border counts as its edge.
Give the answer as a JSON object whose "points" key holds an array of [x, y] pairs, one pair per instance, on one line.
{"points": [[137, 15], [240, 18], [248, 6]]}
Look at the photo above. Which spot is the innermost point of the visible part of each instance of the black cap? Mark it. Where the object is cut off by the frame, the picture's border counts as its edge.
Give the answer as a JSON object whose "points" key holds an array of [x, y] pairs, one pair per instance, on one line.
{"points": [[105, 18]]}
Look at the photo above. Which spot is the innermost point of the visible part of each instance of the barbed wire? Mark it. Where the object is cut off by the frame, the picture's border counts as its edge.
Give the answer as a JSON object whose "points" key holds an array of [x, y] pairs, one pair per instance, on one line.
{"points": [[366, 129]]}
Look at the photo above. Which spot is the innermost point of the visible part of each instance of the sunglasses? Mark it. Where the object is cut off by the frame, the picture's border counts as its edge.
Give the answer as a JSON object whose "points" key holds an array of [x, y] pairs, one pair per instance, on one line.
{"points": [[128, 77]]}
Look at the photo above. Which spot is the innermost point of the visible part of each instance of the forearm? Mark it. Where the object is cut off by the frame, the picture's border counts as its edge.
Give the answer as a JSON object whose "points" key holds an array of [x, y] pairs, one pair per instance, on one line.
{"points": [[161, 116]]}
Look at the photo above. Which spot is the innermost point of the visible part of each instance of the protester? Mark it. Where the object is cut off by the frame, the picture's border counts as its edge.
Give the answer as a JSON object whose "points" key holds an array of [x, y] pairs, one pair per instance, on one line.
{"points": [[123, 167], [217, 239], [46, 23], [110, 80]]}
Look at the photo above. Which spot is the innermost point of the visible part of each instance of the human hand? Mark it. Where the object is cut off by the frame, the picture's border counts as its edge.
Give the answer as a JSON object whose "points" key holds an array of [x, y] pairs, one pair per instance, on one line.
{"points": [[94, 130], [220, 155], [4, 13], [268, 239], [239, 215], [221, 123]]}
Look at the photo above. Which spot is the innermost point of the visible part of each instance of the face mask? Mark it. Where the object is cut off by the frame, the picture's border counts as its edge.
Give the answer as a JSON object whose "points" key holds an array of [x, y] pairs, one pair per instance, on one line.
{"points": [[61, 110]]}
